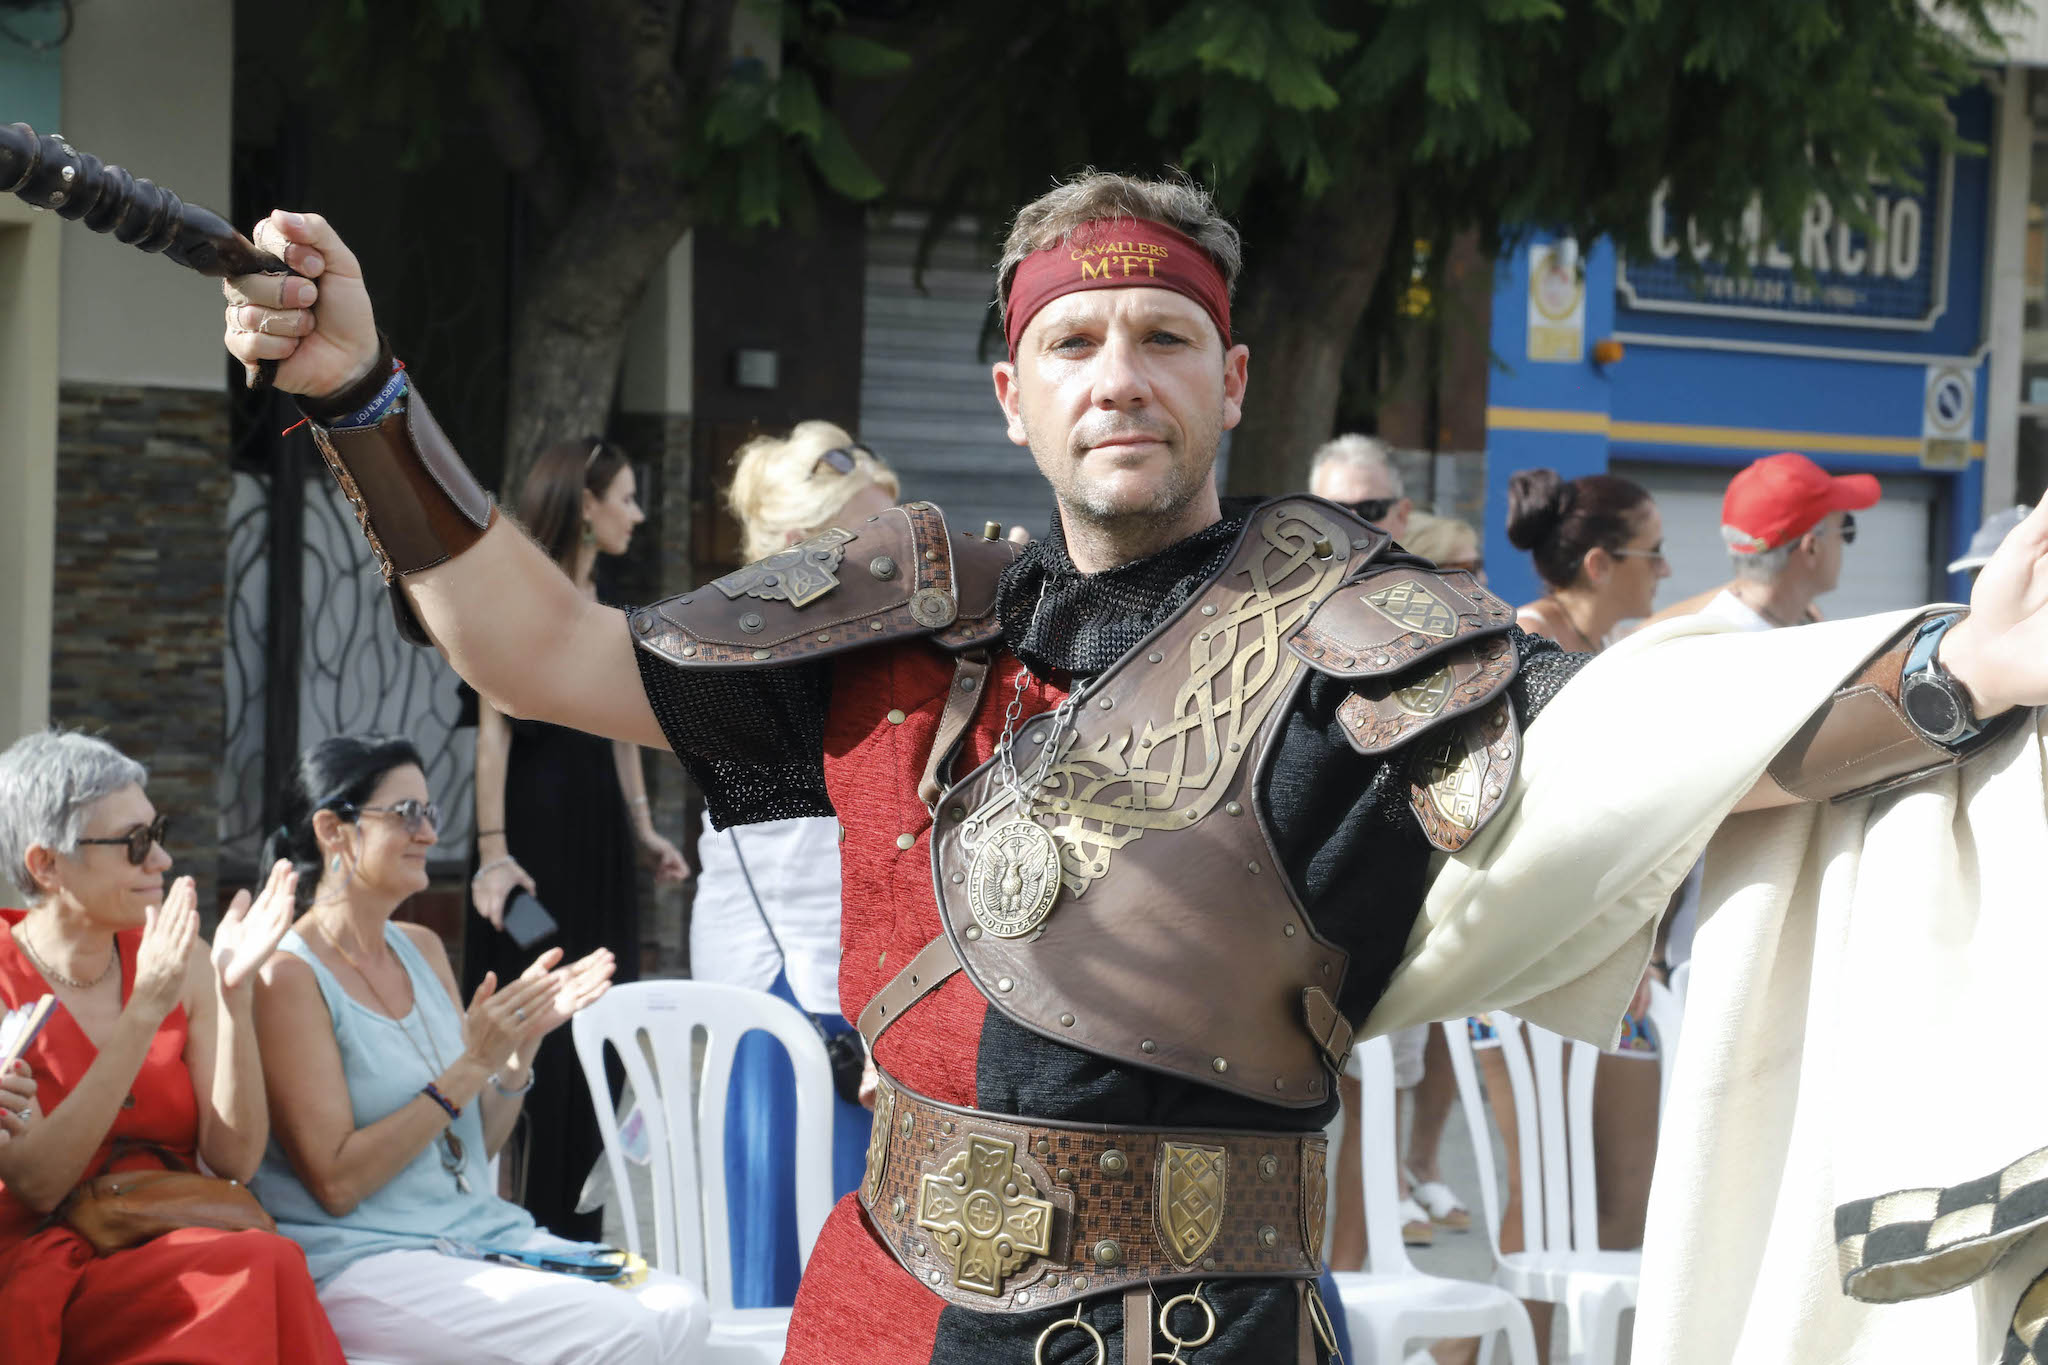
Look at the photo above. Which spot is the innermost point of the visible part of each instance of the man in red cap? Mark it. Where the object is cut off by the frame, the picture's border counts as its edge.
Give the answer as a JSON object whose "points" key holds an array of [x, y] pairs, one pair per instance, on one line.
{"points": [[1786, 521], [1138, 820]]}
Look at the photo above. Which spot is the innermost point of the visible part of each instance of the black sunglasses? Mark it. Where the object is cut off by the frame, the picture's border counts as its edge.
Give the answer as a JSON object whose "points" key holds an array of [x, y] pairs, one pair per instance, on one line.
{"points": [[1372, 509], [413, 813], [140, 839], [842, 459], [1848, 528]]}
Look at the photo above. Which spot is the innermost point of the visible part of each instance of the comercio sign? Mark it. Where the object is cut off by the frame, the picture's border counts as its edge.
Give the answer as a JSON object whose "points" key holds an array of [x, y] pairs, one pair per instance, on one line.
{"points": [[1831, 273]]}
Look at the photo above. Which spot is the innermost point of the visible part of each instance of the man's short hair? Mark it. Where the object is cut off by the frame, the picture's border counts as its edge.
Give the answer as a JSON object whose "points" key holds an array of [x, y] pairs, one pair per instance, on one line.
{"points": [[49, 783], [1175, 200], [1763, 566], [1359, 452]]}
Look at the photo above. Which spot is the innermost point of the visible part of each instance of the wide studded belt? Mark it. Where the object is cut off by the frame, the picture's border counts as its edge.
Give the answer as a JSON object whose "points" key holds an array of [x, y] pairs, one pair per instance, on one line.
{"points": [[1002, 1214]]}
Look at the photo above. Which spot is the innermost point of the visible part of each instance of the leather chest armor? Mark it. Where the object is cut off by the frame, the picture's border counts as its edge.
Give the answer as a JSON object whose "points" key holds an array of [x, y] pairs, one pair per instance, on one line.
{"points": [[1173, 941]]}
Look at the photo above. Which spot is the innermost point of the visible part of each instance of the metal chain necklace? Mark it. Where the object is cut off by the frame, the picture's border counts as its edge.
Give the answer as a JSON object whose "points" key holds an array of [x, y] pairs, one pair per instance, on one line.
{"points": [[1014, 878], [452, 1152], [113, 961]]}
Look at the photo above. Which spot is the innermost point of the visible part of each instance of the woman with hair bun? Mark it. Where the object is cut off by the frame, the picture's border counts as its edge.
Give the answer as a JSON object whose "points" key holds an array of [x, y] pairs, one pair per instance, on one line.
{"points": [[767, 909], [558, 813], [1598, 543]]}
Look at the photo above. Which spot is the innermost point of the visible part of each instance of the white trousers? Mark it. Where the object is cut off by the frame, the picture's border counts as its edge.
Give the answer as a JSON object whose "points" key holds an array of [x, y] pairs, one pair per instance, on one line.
{"points": [[423, 1308]]}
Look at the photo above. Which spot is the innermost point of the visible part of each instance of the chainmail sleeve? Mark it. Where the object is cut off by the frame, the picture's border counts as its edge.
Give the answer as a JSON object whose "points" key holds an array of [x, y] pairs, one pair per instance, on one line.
{"points": [[1546, 668], [753, 741]]}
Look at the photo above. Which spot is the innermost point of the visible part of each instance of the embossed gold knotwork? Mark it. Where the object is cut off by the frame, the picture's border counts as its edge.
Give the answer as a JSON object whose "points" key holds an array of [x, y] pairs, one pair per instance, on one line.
{"points": [[878, 1139], [1108, 785], [799, 575], [1427, 696], [1192, 1188], [985, 1214], [1412, 605]]}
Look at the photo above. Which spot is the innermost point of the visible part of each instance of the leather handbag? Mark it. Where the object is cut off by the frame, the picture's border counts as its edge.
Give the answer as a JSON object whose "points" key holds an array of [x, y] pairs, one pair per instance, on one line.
{"points": [[121, 1209]]}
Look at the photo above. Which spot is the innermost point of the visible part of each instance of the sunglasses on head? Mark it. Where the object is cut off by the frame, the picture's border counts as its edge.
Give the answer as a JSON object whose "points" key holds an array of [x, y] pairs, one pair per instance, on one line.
{"points": [[1372, 509], [139, 840], [842, 459], [413, 814]]}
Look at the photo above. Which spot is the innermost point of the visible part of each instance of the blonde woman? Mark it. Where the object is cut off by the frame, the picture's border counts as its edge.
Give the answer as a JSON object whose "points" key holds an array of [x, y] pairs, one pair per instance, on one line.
{"points": [[767, 907]]}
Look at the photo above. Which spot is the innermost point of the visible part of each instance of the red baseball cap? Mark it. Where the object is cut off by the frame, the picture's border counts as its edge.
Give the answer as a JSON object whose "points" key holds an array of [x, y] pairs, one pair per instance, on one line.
{"points": [[1782, 497]]}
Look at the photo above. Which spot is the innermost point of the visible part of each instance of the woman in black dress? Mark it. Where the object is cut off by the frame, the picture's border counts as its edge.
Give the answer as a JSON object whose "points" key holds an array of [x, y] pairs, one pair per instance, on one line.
{"points": [[558, 812]]}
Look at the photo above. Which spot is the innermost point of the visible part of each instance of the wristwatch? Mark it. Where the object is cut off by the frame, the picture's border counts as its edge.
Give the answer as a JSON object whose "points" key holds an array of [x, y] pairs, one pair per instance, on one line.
{"points": [[1935, 703]]}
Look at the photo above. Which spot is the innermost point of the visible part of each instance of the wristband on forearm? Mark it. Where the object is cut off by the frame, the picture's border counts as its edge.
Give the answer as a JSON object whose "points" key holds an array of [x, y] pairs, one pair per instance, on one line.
{"points": [[1862, 741], [416, 501]]}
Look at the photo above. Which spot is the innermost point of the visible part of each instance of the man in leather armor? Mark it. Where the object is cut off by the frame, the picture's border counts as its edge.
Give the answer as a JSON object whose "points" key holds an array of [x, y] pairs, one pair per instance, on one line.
{"points": [[1137, 820]]}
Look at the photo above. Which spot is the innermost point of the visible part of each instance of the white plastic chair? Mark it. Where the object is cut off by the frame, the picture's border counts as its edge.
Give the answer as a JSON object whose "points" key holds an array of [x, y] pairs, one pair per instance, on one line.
{"points": [[1562, 1262], [1666, 1020], [1393, 1304], [685, 1116]]}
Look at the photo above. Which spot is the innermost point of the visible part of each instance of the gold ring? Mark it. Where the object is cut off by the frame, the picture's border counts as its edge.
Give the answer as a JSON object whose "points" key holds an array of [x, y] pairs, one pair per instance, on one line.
{"points": [[1178, 1341]]}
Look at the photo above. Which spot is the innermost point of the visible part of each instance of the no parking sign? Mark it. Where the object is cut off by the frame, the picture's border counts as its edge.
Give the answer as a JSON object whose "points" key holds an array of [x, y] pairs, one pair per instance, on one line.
{"points": [[1947, 415]]}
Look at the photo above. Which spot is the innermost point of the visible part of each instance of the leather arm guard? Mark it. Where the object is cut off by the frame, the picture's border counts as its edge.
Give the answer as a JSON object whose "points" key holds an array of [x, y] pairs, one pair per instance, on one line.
{"points": [[1860, 743], [416, 501]]}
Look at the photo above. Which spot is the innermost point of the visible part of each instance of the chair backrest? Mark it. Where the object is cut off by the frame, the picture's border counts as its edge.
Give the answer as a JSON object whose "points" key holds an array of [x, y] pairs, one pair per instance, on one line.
{"points": [[1666, 1017], [676, 1041], [1378, 1102], [1560, 1209]]}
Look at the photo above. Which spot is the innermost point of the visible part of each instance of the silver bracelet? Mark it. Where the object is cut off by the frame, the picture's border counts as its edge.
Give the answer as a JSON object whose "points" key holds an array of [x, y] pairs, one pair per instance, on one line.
{"points": [[513, 1094], [639, 801], [490, 866]]}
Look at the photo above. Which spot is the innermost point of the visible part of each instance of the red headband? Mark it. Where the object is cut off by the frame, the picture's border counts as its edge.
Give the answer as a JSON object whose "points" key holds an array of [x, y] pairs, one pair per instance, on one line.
{"points": [[1118, 253]]}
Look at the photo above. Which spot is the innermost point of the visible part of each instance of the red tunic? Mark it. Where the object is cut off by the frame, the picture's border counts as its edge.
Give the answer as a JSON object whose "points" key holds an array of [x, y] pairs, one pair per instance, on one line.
{"points": [[855, 1301], [194, 1296]]}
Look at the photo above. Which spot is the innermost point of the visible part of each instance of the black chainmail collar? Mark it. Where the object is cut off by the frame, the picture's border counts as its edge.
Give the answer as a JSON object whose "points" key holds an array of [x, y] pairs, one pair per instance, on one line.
{"points": [[1086, 622]]}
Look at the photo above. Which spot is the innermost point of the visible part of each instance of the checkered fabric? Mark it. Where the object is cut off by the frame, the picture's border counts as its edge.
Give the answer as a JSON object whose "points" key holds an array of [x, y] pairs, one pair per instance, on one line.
{"points": [[1913, 1243], [2023, 1340]]}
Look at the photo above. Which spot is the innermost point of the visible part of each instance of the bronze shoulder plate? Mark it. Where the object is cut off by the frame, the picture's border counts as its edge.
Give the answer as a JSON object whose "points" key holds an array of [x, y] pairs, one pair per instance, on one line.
{"points": [[1387, 712], [896, 576], [1391, 617], [1458, 777]]}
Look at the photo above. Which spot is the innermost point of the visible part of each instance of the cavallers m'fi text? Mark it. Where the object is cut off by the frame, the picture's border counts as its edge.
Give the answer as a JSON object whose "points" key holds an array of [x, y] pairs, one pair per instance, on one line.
{"points": [[1117, 260]]}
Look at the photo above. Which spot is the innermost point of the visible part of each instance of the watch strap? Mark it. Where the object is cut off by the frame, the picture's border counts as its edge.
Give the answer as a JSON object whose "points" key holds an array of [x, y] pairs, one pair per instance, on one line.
{"points": [[1923, 668]]}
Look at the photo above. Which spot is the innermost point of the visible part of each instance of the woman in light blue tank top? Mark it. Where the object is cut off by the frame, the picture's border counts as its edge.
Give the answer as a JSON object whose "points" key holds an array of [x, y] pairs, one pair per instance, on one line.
{"points": [[388, 1100]]}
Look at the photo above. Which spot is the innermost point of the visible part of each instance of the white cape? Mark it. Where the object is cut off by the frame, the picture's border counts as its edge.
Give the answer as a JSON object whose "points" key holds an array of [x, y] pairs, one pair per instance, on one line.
{"points": [[1864, 975]]}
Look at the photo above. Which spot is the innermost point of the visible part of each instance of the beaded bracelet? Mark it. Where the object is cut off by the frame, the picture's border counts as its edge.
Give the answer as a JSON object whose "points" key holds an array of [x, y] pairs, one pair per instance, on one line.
{"points": [[433, 1092]]}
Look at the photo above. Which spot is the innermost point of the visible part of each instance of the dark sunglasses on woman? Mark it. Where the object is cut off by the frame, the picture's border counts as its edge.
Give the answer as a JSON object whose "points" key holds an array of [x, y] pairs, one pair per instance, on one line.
{"points": [[413, 814], [139, 840]]}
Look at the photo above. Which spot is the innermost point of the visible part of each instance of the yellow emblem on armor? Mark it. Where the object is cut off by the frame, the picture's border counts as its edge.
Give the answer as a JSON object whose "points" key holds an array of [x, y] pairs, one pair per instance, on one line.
{"points": [[799, 575], [1190, 1195], [1014, 879], [983, 1210], [1427, 697], [1412, 606], [878, 1140], [1315, 1194], [1454, 773]]}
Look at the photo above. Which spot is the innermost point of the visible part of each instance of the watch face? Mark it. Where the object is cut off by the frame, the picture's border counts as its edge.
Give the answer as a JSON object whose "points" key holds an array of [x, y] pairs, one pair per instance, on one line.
{"points": [[1932, 708]]}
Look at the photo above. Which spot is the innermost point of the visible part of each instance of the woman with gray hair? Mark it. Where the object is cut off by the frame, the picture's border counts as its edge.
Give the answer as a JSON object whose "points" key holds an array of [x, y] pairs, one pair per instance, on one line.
{"points": [[151, 1063]]}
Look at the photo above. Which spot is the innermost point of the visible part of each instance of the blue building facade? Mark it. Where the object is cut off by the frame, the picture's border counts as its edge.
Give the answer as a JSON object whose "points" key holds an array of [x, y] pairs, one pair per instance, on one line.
{"points": [[1872, 358]]}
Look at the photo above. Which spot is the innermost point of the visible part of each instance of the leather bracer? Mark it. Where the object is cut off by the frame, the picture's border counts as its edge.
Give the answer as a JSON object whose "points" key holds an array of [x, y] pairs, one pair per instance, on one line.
{"points": [[415, 499], [1860, 743]]}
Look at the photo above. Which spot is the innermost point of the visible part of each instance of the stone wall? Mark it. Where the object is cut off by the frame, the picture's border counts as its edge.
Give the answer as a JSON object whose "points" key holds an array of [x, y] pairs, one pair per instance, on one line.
{"points": [[137, 626]]}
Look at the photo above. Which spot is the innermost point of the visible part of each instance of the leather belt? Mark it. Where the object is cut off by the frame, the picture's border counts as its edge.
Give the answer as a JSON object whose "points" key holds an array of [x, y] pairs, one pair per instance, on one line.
{"points": [[1002, 1214]]}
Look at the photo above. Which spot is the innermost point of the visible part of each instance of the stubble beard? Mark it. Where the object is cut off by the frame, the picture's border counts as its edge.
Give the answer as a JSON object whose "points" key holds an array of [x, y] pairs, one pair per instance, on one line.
{"points": [[1090, 513]]}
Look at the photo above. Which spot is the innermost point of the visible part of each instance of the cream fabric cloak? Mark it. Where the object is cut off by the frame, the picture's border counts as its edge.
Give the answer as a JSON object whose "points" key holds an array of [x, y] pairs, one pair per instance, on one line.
{"points": [[1864, 980]]}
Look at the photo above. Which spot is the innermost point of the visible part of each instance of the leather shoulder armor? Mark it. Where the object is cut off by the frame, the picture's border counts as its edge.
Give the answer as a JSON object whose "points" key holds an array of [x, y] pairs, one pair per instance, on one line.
{"points": [[1431, 656], [899, 575]]}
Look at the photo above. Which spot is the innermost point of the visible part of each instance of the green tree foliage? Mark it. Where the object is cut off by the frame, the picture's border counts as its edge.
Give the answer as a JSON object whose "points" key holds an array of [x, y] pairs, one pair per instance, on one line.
{"points": [[1341, 133]]}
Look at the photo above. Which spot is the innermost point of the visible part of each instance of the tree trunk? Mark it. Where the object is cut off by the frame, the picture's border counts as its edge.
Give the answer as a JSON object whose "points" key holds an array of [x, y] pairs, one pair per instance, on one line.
{"points": [[1299, 309], [569, 323]]}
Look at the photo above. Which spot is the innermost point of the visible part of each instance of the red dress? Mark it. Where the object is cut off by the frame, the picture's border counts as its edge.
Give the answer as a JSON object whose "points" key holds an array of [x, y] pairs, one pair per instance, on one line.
{"points": [[190, 1297]]}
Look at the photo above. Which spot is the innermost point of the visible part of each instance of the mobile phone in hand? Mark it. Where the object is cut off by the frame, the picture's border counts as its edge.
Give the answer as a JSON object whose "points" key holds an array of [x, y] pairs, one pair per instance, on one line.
{"points": [[527, 920]]}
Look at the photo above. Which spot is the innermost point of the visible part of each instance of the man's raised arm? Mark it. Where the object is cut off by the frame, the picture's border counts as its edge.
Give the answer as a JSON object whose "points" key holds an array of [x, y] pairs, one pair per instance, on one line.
{"points": [[505, 616]]}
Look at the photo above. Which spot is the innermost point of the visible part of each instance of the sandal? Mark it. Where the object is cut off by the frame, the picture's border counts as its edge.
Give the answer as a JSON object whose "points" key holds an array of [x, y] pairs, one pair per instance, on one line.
{"points": [[1441, 1204], [1416, 1228]]}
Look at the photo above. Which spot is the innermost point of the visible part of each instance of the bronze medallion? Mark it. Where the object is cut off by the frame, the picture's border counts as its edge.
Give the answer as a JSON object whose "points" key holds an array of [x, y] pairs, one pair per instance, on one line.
{"points": [[1014, 879], [986, 1213]]}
